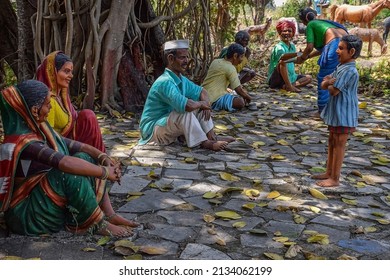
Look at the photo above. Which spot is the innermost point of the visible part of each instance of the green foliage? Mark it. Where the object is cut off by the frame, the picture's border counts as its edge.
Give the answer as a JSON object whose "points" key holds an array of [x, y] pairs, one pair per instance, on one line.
{"points": [[10, 78], [290, 8], [375, 79], [309, 67]]}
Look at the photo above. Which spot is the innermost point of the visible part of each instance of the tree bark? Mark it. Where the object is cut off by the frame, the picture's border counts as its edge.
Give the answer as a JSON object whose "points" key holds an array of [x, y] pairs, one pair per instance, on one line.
{"points": [[8, 35], [112, 48], [26, 65]]}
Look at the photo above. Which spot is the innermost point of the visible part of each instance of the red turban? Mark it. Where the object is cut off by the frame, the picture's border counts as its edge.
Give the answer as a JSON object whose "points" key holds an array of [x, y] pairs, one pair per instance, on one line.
{"points": [[285, 24]]}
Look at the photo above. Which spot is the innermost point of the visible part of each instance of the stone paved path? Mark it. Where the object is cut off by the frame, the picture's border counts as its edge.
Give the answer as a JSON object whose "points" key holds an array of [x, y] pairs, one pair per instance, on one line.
{"points": [[163, 188]]}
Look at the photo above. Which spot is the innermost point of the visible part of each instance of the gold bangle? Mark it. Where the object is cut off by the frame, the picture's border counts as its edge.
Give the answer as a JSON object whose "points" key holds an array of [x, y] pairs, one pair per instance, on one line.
{"points": [[102, 155], [103, 161], [105, 173]]}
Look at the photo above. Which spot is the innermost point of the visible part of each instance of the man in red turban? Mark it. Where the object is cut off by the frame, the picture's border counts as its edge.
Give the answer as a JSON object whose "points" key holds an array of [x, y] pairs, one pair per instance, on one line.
{"points": [[281, 70]]}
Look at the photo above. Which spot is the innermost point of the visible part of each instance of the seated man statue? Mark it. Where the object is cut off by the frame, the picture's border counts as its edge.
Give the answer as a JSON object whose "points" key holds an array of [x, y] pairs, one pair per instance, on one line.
{"points": [[244, 72], [281, 70], [178, 108], [221, 75]]}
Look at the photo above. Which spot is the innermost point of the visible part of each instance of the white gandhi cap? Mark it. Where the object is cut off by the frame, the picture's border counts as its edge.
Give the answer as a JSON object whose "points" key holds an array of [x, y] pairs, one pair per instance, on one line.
{"points": [[176, 44]]}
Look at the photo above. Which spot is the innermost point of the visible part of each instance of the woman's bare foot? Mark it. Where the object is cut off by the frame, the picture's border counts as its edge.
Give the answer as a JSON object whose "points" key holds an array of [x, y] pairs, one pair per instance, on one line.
{"points": [[328, 183], [118, 220], [228, 139], [214, 145], [321, 176], [108, 229]]}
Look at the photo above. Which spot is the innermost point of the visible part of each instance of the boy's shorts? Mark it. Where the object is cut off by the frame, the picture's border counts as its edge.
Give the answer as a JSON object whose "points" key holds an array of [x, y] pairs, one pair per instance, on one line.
{"points": [[341, 129]]}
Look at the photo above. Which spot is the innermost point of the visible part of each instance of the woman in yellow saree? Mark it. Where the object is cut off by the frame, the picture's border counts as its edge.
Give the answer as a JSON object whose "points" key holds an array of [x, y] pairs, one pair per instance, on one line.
{"points": [[56, 71]]}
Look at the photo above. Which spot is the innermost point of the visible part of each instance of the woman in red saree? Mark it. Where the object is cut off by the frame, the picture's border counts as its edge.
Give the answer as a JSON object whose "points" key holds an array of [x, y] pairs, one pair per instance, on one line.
{"points": [[47, 182], [56, 71]]}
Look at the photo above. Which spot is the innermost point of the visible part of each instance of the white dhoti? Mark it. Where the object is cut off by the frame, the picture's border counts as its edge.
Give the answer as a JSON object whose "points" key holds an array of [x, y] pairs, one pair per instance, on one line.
{"points": [[191, 125]]}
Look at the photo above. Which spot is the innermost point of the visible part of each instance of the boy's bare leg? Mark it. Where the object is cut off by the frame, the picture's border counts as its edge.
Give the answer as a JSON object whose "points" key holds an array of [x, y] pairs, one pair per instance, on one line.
{"points": [[329, 163], [339, 152]]}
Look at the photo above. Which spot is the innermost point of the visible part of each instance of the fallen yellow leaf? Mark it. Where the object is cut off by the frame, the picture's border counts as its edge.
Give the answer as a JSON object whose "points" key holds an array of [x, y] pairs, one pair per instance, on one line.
{"points": [[150, 250], [273, 194], [319, 238], [209, 195], [249, 167], [249, 206], [208, 218], [280, 239], [315, 209], [220, 241], [228, 215], [298, 219], [239, 224], [273, 256], [363, 105], [228, 177], [349, 201], [317, 194], [252, 192], [383, 221]]}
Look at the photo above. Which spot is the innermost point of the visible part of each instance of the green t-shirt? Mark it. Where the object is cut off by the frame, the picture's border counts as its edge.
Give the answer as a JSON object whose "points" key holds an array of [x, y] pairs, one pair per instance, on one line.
{"points": [[221, 75], [280, 49]]}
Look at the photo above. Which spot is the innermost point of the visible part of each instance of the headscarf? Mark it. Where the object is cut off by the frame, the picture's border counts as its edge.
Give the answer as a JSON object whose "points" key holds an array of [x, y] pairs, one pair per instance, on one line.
{"points": [[47, 73], [20, 129], [283, 24], [33, 92]]}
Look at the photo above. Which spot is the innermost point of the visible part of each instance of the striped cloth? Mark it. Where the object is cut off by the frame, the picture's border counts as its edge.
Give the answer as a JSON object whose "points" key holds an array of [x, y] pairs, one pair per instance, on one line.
{"points": [[343, 109]]}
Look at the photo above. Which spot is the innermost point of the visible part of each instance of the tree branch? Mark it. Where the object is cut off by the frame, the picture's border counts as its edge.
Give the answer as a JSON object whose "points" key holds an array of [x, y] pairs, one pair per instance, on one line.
{"points": [[159, 19]]}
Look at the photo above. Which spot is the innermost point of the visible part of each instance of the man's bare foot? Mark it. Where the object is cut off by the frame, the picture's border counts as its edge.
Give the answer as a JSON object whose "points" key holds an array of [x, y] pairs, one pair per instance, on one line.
{"points": [[292, 89], [321, 176], [214, 145], [109, 229], [116, 219], [328, 183], [228, 139]]}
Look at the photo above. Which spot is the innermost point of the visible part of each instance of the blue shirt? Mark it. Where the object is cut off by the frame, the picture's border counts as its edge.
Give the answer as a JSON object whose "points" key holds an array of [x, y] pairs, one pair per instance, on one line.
{"points": [[343, 109], [168, 93]]}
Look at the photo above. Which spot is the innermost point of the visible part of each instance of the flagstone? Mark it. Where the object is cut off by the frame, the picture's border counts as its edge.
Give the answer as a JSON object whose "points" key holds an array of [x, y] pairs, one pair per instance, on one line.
{"points": [[128, 184], [142, 171], [183, 174], [160, 200], [175, 184], [219, 234], [194, 251], [181, 164], [183, 218], [173, 233]]}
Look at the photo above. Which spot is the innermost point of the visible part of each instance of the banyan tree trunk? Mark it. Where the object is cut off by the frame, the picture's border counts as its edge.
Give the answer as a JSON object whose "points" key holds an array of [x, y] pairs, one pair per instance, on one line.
{"points": [[131, 80]]}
